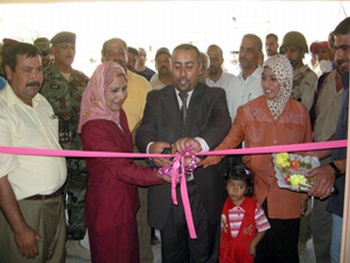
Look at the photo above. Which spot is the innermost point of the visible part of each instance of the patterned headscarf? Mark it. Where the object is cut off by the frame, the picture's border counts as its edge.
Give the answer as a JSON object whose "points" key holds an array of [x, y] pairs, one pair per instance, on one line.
{"points": [[283, 71], [93, 103]]}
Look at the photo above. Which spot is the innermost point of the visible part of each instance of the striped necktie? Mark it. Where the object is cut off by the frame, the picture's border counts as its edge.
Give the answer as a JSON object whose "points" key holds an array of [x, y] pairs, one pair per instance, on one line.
{"points": [[183, 95]]}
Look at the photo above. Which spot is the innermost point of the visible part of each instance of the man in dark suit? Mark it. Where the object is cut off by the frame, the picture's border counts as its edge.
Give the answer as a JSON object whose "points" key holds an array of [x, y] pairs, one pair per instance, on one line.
{"points": [[207, 123]]}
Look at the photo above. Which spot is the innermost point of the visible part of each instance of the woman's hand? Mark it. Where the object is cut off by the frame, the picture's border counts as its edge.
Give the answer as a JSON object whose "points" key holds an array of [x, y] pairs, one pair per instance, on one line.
{"points": [[164, 178]]}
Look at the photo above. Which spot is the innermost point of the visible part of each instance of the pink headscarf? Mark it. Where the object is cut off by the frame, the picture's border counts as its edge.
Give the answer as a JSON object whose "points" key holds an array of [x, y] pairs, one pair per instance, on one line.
{"points": [[93, 103]]}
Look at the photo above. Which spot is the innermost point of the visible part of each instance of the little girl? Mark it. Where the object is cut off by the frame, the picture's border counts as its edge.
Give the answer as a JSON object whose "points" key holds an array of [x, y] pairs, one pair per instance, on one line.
{"points": [[243, 222]]}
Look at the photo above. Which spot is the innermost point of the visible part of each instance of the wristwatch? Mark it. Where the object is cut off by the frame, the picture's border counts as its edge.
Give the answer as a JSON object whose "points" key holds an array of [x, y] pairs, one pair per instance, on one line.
{"points": [[336, 170]]}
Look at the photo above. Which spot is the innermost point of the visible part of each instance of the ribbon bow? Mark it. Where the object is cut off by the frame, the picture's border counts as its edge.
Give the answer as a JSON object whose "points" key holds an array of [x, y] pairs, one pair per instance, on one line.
{"points": [[184, 162]]}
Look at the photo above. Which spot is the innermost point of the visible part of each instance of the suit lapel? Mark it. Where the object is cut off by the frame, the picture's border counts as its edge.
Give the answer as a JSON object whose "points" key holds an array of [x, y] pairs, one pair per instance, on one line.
{"points": [[194, 105]]}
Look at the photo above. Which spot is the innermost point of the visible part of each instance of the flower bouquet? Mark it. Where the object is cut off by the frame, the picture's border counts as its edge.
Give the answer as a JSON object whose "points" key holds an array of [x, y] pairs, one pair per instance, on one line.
{"points": [[291, 168]]}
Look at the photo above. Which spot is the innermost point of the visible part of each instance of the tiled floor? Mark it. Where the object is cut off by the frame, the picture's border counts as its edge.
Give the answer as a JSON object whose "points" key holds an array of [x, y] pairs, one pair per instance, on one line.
{"points": [[306, 256], [155, 248]]}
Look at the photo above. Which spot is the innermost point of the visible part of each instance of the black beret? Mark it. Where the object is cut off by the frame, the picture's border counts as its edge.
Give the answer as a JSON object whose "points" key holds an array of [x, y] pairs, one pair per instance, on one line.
{"points": [[63, 37]]}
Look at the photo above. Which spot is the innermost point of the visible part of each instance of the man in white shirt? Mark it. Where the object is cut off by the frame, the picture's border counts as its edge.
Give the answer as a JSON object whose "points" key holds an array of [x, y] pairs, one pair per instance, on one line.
{"points": [[247, 85], [32, 223], [217, 77]]}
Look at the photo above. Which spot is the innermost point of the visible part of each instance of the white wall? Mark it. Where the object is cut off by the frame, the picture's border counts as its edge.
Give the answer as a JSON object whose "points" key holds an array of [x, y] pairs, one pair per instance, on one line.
{"points": [[168, 23]]}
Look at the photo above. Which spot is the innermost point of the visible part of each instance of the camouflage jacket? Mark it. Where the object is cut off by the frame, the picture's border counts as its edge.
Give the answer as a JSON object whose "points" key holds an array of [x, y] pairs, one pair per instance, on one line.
{"points": [[304, 81], [65, 98]]}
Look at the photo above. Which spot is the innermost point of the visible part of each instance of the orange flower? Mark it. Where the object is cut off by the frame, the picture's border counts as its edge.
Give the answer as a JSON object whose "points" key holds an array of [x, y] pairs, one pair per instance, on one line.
{"points": [[294, 164]]}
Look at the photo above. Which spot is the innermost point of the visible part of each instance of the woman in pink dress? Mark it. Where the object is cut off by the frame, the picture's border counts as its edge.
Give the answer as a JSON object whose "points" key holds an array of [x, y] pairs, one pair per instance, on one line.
{"points": [[112, 196]]}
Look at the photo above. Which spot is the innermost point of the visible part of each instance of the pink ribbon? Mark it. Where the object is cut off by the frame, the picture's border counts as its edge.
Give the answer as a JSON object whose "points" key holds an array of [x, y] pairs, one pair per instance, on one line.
{"points": [[178, 174], [178, 161], [257, 150], [302, 147]]}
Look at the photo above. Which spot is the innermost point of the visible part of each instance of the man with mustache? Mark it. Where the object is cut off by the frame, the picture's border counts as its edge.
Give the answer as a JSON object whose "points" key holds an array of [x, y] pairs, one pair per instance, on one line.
{"points": [[163, 66], [186, 113], [333, 173], [271, 44], [217, 77], [294, 46], [247, 85], [63, 87], [325, 113], [32, 223]]}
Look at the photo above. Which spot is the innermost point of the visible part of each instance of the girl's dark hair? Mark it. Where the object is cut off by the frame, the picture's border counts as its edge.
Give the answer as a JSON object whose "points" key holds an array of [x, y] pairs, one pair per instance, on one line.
{"points": [[239, 171]]}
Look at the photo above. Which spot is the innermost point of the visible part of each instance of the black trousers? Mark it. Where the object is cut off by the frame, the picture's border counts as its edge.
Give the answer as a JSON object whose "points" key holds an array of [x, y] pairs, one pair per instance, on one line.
{"points": [[177, 246], [280, 243]]}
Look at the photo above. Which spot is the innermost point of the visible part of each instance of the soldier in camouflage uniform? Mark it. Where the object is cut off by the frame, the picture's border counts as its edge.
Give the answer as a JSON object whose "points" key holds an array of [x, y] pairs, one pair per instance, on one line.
{"points": [[43, 44], [294, 46], [63, 87]]}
